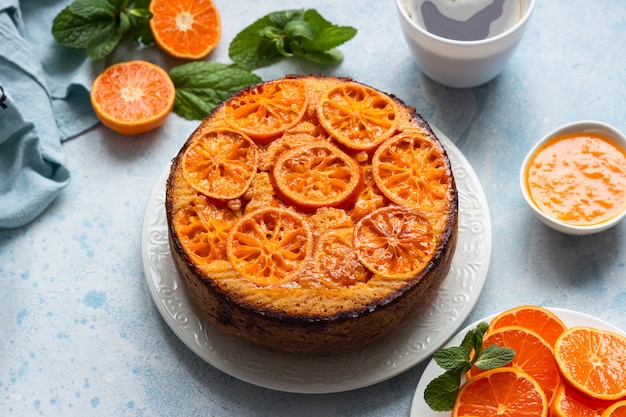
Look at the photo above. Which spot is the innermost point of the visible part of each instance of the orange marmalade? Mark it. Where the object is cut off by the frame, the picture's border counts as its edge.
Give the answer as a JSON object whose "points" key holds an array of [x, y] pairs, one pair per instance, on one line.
{"points": [[578, 178]]}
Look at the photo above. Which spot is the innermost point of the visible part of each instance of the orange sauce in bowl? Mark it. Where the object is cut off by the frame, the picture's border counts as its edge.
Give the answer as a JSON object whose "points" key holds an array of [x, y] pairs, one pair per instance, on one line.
{"points": [[578, 178]]}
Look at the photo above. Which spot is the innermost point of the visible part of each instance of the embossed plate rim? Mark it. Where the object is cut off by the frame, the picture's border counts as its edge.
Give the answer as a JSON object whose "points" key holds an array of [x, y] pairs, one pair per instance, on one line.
{"points": [[419, 408], [412, 343]]}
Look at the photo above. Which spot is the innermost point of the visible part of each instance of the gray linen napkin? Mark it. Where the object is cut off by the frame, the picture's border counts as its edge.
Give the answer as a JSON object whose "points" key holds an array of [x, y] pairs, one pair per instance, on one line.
{"points": [[44, 100]]}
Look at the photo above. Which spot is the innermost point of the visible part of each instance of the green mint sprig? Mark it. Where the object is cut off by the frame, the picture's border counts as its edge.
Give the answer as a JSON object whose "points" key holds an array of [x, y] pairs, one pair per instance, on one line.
{"points": [[301, 33], [99, 25], [200, 86], [440, 394]]}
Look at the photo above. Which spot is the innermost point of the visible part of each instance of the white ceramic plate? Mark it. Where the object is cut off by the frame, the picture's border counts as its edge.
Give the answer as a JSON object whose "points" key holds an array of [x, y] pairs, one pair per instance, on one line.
{"points": [[419, 408], [412, 343]]}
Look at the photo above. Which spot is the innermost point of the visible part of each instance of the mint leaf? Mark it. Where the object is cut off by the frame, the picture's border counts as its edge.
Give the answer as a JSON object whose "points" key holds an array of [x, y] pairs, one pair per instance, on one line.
{"points": [[251, 48], [93, 9], [494, 356], [440, 394], [75, 31], [104, 42], [303, 33], [99, 25], [454, 358], [201, 86]]}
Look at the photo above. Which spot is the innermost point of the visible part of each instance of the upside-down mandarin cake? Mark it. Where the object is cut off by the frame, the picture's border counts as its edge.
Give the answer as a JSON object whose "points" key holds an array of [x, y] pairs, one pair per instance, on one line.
{"points": [[312, 214]]}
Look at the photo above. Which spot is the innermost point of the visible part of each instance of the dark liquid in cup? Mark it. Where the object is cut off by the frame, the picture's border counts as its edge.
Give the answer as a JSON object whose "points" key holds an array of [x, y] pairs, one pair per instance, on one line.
{"points": [[465, 20]]}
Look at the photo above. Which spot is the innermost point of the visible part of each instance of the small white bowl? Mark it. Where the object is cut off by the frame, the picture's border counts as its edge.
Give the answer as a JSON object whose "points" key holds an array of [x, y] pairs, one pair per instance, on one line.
{"points": [[587, 126], [461, 64]]}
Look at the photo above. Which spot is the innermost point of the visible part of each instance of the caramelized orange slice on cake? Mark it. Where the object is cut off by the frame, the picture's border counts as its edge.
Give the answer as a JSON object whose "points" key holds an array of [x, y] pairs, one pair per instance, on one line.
{"points": [[269, 246], [317, 175], [357, 116], [394, 241], [203, 231], [337, 261], [220, 164], [410, 170], [265, 111]]}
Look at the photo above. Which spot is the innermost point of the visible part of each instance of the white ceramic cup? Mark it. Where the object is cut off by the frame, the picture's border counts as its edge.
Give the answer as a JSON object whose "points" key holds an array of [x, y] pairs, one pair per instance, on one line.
{"points": [[461, 64]]}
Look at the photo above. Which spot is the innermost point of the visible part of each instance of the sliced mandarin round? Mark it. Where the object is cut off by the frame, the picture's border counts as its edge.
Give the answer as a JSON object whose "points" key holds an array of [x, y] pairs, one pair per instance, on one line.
{"points": [[220, 164], [265, 111], [357, 116], [203, 230], [533, 355], [410, 169], [538, 319], [505, 392], [593, 361], [185, 29], [317, 175], [133, 97], [269, 246], [394, 241], [568, 402], [337, 261], [618, 409]]}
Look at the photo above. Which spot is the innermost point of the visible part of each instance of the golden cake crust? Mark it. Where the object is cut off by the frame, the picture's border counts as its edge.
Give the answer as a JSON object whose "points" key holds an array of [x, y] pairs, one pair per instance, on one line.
{"points": [[330, 301]]}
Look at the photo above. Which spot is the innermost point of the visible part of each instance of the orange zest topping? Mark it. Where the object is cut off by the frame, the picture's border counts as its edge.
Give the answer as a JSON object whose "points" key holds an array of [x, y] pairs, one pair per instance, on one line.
{"points": [[220, 164], [317, 175], [133, 97], [358, 116], [269, 246], [579, 179], [185, 29], [394, 241], [265, 111]]}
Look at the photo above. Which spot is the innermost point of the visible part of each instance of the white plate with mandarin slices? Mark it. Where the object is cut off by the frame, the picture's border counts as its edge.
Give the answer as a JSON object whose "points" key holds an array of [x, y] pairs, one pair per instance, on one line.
{"points": [[570, 318], [411, 344]]}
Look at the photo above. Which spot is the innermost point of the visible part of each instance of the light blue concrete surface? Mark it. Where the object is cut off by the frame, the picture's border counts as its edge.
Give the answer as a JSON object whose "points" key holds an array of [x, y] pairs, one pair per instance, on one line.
{"points": [[80, 336]]}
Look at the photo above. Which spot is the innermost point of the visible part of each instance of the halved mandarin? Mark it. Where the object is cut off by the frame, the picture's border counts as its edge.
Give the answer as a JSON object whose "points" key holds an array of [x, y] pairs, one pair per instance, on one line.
{"points": [[410, 169], [357, 116], [265, 111], [394, 241], [185, 29], [220, 164], [269, 246], [133, 97], [317, 175]]}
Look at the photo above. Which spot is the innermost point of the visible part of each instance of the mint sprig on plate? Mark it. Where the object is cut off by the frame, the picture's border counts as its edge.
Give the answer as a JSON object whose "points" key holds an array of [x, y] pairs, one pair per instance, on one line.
{"points": [[440, 394], [99, 25], [301, 33]]}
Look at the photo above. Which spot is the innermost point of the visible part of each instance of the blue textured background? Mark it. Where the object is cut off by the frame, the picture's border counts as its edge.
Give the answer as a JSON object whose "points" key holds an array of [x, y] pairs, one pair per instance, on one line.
{"points": [[79, 334]]}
